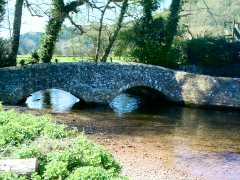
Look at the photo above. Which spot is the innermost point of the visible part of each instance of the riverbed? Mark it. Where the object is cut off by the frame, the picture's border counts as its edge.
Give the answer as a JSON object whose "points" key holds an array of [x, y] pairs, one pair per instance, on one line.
{"points": [[154, 142]]}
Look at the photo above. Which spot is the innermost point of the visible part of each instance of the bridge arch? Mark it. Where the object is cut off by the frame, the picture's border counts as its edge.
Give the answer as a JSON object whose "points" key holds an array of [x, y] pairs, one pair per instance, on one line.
{"points": [[22, 99], [147, 93]]}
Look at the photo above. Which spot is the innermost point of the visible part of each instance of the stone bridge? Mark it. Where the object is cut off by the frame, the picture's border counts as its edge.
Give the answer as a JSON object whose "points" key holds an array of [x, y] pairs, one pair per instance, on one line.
{"points": [[100, 83]]}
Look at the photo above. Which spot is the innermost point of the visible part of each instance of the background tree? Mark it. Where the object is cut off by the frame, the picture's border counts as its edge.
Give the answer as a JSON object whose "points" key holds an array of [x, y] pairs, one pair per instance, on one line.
{"points": [[12, 61], [172, 25], [4, 46], [99, 38], [118, 27], [59, 12], [2, 9], [148, 34]]}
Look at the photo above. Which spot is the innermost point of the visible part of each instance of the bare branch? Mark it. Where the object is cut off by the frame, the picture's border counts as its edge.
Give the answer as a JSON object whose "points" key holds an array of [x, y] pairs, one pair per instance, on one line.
{"points": [[77, 26]]}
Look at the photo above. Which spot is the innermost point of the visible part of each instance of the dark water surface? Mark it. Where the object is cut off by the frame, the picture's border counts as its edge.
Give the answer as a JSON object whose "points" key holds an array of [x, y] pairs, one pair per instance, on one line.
{"points": [[203, 142]]}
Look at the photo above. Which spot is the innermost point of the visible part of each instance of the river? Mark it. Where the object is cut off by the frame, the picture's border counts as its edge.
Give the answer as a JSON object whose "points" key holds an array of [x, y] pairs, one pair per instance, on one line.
{"points": [[154, 142]]}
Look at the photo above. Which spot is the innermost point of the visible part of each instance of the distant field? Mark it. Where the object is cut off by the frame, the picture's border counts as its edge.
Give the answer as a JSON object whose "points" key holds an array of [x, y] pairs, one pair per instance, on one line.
{"points": [[62, 59], [59, 58]]}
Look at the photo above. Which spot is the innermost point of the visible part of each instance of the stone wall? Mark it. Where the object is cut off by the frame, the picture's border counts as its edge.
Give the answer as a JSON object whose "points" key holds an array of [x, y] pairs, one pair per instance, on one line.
{"points": [[101, 82]]}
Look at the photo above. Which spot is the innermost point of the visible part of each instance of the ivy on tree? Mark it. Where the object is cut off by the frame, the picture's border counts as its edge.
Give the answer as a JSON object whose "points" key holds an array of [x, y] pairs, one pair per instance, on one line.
{"points": [[59, 12]]}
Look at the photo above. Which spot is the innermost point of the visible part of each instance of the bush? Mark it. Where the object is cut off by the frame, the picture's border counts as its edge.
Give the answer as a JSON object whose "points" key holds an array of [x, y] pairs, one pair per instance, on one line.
{"points": [[90, 173], [1, 107], [149, 42], [11, 176], [211, 51], [4, 52], [28, 136], [56, 170]]}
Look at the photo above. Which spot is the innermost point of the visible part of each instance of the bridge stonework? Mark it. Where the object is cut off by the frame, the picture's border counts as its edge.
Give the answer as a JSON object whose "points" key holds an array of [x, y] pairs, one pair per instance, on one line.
{"points": [[101, 82]]}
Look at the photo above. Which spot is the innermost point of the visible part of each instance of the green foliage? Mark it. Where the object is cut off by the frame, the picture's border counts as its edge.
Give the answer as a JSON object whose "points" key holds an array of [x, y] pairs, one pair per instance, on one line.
{"points": [[172, 24], [16, 128], [149, 41], [56, 170], [11, 176], [152, 37], [49, 39], [90, 173], [148, 34], [211, 51], [2, 9], [35, 57], [55, 131], [27, 136], [4, 52]]}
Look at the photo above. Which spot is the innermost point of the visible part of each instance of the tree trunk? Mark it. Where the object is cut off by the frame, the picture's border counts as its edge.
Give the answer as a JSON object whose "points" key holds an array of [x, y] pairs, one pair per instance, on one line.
{"points": [[100, 30], [52, 30], [50, 38], [116, 31], [58, 14], [172, 24], [16, 33]]}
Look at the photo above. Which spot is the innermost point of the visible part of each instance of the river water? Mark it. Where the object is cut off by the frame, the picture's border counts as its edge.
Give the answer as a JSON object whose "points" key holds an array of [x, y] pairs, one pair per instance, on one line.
{"points": [[202, 143]]}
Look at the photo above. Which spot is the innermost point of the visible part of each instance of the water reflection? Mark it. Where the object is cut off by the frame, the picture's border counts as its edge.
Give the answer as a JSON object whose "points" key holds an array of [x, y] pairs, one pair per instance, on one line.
{"points": [[204, 142], [125, 103], [57, 100]]}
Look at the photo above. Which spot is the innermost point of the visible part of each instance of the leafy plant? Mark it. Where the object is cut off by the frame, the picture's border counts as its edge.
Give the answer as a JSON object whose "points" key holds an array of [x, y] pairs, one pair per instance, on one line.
{"points": [[70, 157], [90, 173], [56, 170]]}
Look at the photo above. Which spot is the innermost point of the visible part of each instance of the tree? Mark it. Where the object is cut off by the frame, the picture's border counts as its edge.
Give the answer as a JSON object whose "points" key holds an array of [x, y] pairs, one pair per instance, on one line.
{"points": [[100, 29], [2, 9], [172, 23], [148, 34], [153, 35], [12, 61], [4, 46], [118, 27], [59, 12]]}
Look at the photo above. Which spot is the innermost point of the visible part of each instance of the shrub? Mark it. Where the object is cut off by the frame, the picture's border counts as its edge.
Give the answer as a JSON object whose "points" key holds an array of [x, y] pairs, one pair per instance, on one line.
{"points": [[211, 51], [4, 52], [55, 131], [56, 170], [149, 42], [16, 128], [90, 173], [11, 176], [28, 136]]}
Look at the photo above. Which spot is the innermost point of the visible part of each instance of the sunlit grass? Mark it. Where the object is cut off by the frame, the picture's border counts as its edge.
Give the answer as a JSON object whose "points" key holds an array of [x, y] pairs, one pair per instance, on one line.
{"points": [[62, 59]]}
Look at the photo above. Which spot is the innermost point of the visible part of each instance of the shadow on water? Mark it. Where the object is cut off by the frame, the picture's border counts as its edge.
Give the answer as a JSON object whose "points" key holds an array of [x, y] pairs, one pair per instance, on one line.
{"points": [[200, 140]]}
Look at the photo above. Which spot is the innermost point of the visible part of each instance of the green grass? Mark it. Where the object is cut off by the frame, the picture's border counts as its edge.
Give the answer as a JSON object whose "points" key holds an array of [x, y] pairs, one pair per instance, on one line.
{"points": [[59, 58], [62, 152], [62, 59]]}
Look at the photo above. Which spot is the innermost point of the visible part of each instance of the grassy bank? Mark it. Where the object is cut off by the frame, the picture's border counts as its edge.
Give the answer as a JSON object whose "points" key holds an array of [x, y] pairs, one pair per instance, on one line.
{"points": [[62, 152], [61, 59]]}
